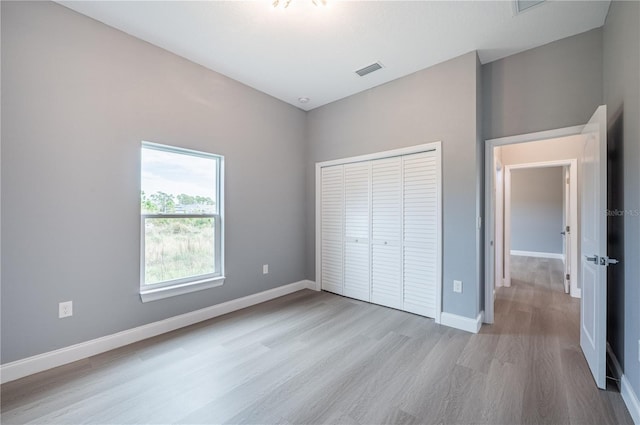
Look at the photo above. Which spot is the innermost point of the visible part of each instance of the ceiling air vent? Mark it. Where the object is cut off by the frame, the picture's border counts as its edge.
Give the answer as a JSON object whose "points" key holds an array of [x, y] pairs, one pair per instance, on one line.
{"points": [[369, 69], [524, 5]]}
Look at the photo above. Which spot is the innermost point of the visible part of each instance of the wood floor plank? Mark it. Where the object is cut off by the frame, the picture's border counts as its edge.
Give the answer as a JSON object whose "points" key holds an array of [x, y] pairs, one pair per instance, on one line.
{"points": [[390, 382], [318, 358], [503, 397]]}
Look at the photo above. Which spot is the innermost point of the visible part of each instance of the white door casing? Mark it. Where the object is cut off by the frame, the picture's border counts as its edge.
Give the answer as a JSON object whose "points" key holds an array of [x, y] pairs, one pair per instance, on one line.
{"points": [[499, 225], [572, 199], [506, 228], [593, 311]]}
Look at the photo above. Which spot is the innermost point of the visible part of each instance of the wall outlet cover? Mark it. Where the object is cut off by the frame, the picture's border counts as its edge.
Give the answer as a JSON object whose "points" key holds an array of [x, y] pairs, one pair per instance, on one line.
{"points": [[457, 286], [65, 309], [265, 269]]}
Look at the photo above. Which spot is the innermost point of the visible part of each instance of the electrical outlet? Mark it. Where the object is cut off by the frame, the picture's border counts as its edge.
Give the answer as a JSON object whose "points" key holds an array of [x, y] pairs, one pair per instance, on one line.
{"points": [[265, 269], [65, 309], [457, 286]]}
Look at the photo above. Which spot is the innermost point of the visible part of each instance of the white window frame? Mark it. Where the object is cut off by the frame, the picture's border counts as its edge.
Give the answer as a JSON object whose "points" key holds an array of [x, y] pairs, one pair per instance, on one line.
{"points": [[174, 287]]}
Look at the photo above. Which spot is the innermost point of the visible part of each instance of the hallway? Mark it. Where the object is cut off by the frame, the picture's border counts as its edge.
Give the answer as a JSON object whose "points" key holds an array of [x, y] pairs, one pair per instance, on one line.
{"points": [[538, 349]]}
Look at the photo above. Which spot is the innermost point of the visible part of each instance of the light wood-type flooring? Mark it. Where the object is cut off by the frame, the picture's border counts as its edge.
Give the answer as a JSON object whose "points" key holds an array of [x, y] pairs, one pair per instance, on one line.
{"points": [[311, 358]]}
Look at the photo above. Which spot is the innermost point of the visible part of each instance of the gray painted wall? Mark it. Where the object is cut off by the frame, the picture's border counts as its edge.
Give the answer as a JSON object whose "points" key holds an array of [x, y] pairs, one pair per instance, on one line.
{"points": [[437, 103], [621, 37], [83, 95], [78, 97], [537, 209], [552, 86]]}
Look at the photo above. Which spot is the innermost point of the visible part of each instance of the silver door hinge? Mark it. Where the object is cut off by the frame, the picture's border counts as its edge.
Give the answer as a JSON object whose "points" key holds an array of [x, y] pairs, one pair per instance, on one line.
{"points": [[567, 276], [568, 229]]}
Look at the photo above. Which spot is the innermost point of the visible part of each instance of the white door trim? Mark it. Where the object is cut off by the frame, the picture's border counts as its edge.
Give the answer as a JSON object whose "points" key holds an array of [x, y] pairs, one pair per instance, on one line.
{"points": [[425, 147], [499, 226], [573, 221], [490, 201]]}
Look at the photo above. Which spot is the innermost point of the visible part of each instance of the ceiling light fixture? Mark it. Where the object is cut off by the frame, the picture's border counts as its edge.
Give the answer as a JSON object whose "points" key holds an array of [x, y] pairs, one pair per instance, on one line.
{"points": [[286, 3]]}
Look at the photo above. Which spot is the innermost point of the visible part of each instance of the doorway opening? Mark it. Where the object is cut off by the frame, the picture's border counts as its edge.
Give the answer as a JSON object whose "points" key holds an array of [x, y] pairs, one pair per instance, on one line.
{"points": [[592, 236], [532, 203], [540, 209]]}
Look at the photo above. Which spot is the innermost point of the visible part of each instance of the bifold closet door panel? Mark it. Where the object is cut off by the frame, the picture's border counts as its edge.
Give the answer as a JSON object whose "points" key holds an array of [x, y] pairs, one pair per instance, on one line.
{"points": [[380, 235], [357, 261], [332, 228], [420, 233], [386, 232]]}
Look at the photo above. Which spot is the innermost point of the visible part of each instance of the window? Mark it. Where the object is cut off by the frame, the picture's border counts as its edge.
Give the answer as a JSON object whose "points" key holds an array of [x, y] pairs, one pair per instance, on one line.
{"points": [[181, 229]]}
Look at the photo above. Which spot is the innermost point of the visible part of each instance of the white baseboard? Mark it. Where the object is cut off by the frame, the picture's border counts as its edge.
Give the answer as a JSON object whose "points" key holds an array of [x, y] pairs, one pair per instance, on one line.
{"points": [[314, 286], [461, 322], [576, 292], [537, 254], [38, 363], [629, 396], [630, 399]]}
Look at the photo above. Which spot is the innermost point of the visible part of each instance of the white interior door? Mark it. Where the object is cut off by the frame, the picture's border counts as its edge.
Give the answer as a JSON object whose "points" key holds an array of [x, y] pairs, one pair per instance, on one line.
{"points": [[386, 230], [593, 312], [357, 188], [421, 227], [331, 222]]}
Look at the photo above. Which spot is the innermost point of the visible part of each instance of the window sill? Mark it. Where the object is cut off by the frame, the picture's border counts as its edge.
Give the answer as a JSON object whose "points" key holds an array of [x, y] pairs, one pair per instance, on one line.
{"points": [[147, 295]]}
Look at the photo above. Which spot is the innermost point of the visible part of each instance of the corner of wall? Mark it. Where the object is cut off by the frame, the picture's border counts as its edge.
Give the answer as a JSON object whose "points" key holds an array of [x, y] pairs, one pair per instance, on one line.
{"points": [[480, 195]]}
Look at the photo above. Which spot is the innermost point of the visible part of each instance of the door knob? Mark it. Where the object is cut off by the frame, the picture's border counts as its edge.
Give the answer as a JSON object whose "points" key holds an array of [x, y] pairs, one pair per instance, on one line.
{"points": [[606, 261], [593, 259]]}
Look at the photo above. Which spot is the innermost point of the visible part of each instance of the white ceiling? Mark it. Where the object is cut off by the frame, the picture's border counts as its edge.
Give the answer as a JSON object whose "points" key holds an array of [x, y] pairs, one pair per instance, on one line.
{"points": [[309, 51]]}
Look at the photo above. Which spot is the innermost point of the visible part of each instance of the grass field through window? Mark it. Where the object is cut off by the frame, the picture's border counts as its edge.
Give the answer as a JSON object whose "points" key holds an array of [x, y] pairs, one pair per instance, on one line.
{"points": [[177, 248]]}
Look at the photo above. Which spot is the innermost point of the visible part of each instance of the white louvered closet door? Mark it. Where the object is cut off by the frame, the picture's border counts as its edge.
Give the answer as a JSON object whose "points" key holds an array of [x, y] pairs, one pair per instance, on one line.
{"points": [[332, 228], [386, 232], [420, 233], [357, 180]]}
